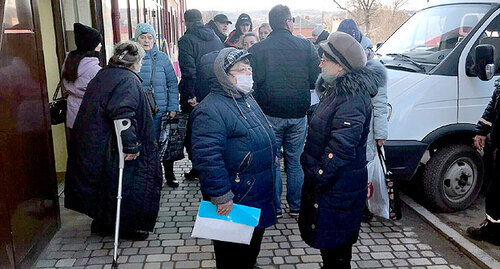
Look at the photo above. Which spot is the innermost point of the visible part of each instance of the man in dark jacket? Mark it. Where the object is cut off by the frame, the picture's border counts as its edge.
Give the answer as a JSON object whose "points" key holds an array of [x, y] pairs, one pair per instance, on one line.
{"points": [[490, 124], [285, 69], [196, 42], [219, 24]]}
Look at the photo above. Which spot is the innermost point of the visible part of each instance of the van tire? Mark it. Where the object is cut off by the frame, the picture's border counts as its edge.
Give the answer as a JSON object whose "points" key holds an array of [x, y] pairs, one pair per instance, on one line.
{"points": [[461, 165]]}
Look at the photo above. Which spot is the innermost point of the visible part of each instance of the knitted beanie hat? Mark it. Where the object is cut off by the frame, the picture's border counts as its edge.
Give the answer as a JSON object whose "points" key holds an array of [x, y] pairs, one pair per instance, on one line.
{"points": [[144, 28], [86, 38]]}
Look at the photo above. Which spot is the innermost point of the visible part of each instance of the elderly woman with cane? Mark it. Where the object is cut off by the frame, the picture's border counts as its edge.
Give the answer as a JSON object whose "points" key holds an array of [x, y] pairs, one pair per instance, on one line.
{"points": [[93, 166]]}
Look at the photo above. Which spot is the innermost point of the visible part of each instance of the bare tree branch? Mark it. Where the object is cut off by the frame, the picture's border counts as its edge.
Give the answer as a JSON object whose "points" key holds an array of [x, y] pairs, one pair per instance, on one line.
{"points": [[361, 9], [343, 8], [397, 5]]}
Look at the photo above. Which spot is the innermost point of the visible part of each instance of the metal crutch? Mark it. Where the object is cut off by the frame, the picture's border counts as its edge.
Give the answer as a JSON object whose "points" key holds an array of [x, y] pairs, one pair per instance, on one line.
{"points": [[120, 126]]}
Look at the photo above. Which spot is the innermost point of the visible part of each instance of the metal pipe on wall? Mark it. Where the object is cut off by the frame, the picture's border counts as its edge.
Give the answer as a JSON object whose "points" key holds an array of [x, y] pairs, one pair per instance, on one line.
{"points": [[115, 20]]}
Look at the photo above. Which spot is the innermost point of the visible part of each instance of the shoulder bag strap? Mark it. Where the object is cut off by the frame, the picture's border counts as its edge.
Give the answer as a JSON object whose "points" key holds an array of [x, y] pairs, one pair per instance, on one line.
{"points": [[153, 71], [383, 160], [60, 86]]}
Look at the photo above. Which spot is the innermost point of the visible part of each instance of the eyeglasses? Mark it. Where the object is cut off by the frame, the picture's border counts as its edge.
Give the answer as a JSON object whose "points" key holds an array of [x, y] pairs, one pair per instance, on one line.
{"points": [[325, 60], [241, 69], [292, 19]]}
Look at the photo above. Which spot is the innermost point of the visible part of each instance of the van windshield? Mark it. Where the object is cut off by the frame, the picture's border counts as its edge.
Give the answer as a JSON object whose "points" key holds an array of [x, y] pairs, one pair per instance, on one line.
{"points": [[431, 34]]}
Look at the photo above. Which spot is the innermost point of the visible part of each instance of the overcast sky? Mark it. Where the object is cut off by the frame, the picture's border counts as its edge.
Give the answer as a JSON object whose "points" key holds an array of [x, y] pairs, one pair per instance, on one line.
{"points": [[248, 5]]}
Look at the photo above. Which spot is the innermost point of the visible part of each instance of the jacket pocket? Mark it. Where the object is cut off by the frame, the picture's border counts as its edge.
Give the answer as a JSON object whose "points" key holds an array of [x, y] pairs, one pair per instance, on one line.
{"points": [[245, 163], [246, 186]]}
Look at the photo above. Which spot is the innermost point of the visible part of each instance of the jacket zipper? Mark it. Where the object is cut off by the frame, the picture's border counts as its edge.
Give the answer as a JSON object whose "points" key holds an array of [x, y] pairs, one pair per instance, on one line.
{"points": [[270, 144]]}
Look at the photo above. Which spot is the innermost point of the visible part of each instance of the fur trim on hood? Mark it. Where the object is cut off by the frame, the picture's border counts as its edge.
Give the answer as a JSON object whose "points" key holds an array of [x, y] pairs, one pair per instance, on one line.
{"points": [[229, 88], [362, 81]]}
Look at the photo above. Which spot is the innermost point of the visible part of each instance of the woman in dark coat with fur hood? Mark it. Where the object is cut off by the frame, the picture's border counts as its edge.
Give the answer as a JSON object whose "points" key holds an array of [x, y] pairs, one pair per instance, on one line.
{"points": [[92, 176], [334, 158]]}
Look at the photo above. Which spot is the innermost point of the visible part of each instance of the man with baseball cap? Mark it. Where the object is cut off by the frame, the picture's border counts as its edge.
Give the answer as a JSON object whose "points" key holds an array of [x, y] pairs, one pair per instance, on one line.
{"points": [[219, 24], [197, 41]]}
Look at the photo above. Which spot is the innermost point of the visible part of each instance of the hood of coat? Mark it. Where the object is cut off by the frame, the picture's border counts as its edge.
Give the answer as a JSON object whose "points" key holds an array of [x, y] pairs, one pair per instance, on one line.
{"points": [[323, 36], [361, 81], [350, 27], [228, 87], [201, 31]]}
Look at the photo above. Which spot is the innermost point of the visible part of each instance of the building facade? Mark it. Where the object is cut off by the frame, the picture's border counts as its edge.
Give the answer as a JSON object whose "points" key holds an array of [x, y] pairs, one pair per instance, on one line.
{"points": [[35, 37]]}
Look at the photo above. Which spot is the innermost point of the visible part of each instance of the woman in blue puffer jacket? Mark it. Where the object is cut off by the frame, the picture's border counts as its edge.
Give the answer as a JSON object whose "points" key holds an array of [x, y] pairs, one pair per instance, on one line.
{"points": [[164, 84], [234, 150]]}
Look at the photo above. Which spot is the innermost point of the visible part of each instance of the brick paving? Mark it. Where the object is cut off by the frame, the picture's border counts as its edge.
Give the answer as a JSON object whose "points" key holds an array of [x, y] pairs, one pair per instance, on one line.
{"points": [[381, 244]]}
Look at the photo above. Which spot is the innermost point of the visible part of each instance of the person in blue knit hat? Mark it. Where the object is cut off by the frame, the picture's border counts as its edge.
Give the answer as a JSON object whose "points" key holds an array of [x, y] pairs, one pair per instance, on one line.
{"points": [[164, 85]]}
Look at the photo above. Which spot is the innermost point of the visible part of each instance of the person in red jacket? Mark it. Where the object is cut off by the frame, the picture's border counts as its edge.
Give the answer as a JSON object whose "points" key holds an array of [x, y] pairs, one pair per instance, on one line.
{"points": [[243, 26]]}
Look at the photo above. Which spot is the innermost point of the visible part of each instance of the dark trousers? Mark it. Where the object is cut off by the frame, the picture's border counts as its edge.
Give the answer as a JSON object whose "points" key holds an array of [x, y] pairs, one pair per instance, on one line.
{"points": [[168, 167], [232, 255], [187, 141], [339, 258], [493, 192]]}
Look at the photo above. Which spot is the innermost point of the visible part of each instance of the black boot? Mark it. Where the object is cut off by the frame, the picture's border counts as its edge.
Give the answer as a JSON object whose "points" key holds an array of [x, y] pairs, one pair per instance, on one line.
{"points": [[168, 166], [488, 232], [367, 215], [134, 235], [192, 175], [101, 229]]}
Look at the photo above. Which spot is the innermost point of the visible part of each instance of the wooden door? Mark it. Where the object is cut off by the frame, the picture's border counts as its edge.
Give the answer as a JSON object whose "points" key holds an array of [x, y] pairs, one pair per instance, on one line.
{"points": [[27, 160]]}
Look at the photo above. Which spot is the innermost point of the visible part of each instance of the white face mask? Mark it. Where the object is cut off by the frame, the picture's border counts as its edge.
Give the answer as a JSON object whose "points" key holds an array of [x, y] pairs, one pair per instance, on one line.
{"points": [[244, 83]]}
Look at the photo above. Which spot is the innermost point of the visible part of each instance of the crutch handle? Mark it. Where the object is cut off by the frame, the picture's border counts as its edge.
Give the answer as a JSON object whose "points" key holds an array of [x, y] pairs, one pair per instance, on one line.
{"points": [[120, 126]]}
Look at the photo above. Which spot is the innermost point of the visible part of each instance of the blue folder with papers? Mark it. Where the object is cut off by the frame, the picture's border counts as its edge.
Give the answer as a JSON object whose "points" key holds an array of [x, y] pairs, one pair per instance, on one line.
{"points": [[240, 214]]}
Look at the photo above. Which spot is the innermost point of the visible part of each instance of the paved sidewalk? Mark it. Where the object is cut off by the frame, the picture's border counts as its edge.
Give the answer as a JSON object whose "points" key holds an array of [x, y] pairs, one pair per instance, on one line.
{"points": [[381, 243]]}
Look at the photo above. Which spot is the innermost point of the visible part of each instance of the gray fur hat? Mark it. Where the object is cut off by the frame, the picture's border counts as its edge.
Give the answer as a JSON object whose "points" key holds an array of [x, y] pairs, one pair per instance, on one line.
{"points": [[345, 50]]}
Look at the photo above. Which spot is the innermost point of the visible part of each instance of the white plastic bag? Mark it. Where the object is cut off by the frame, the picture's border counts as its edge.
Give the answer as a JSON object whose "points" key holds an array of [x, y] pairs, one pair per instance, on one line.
{"points": [[222, 230], [378, 197], [237, 227]]}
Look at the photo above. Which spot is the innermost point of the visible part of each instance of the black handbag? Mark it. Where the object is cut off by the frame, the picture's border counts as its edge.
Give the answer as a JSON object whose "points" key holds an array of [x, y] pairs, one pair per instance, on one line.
{"points": [[149, 93], [58, 107], [172, 136], [394, 200]]}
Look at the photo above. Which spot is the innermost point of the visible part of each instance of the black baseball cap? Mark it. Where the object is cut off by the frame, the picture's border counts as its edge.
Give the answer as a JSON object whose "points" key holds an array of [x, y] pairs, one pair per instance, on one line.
{"points": [[221, 18], [244, 18]]}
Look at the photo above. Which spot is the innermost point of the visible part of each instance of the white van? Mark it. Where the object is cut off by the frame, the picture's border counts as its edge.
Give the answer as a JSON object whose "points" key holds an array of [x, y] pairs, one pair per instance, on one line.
{"points": [[438, 89]]}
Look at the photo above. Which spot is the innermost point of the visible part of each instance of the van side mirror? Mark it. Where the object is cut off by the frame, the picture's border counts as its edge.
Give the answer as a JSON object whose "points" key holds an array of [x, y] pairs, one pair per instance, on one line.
{"points": [[485, 61], [379, 44]]}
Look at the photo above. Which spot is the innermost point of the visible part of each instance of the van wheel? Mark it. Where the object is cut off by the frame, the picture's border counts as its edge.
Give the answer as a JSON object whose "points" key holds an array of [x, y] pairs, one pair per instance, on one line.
{"points": [[453, 177]]}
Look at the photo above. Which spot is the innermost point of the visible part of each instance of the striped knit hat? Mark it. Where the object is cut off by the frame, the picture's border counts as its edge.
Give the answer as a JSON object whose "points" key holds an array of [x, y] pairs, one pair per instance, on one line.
{"points": [[233, 57]]}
